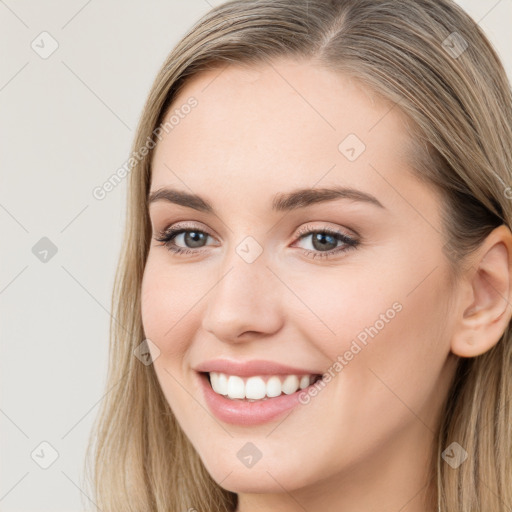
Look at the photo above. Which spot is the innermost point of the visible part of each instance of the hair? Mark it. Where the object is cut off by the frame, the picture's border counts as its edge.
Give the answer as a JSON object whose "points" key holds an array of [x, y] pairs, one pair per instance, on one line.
{"points": [[460, 108]]}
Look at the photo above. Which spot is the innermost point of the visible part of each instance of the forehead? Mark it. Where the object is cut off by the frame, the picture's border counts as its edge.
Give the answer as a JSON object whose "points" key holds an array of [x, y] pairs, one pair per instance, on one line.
{"points": [[277, 126]]}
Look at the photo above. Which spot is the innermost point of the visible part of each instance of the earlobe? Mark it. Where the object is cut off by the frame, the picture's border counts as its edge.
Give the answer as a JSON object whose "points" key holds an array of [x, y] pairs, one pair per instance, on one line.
{"points": [[486, 308]]}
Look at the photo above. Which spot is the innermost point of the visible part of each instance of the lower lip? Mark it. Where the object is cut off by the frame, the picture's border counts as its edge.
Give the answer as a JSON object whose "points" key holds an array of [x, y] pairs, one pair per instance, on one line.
{"points": [[241, 412]]}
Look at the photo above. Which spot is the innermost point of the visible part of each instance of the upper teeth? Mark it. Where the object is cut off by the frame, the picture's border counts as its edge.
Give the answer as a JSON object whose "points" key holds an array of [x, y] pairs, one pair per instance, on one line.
{"points": [[256, 388]]}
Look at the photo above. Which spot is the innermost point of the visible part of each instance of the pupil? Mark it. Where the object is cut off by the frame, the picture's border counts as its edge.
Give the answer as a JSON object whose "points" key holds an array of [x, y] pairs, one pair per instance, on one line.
{"points": [[319, 238], [193, 237]]}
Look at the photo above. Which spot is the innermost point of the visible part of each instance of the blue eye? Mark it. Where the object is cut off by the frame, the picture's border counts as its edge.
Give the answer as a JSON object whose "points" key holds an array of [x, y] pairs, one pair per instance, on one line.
{"points": [[322, 239], [192, 236]]}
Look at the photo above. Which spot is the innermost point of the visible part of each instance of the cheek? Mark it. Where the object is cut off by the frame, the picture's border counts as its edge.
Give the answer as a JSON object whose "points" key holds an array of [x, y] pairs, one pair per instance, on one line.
{"points": [[166, 297], [342, 309], [387, 321], [397, 370]]}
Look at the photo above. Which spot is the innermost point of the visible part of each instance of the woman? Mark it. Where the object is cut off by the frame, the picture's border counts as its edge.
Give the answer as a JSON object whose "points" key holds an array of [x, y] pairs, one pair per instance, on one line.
{"points": [[312, 307]]}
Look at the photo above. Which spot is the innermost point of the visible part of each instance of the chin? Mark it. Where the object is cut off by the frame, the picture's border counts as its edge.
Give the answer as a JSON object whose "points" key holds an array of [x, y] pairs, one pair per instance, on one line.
{"points": [[261, 478], [252, 483]]}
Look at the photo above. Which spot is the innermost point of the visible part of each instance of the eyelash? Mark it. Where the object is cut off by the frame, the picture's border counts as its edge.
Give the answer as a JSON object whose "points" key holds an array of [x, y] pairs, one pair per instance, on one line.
{"points": [[168, 235]]}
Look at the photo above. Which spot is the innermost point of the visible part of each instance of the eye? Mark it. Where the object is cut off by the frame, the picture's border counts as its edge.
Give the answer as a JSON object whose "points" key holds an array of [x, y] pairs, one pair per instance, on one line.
{"points": [[324, 241], [191, 236]]}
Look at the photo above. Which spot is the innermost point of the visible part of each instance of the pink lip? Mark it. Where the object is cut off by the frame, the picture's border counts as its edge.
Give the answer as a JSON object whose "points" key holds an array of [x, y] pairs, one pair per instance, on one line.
{"points": [[241, 412], [251, 368]]}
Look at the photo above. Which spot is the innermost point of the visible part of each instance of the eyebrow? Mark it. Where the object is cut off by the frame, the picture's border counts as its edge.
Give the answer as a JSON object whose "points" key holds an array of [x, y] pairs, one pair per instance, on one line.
{"points": [[300, 198]]}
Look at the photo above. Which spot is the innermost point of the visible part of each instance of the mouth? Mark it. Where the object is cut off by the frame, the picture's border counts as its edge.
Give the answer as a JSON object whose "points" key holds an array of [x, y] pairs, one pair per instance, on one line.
{"points": [[257, 388], [253, 399]]}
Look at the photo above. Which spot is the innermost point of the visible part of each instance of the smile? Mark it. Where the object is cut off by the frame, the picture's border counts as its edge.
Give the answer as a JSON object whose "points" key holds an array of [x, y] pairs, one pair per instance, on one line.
{"points": [[261, 388], [242, 410]]}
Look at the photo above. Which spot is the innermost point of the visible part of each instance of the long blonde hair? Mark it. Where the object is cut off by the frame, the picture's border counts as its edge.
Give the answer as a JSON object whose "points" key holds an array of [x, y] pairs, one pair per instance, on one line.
{"points": [[432, 61]]}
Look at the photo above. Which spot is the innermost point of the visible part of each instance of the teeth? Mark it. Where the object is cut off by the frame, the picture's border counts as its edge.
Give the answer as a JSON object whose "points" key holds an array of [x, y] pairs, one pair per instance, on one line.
{"points": [[291, 384], [274, 387], [257, 388], [304, 381], [236, 388]]}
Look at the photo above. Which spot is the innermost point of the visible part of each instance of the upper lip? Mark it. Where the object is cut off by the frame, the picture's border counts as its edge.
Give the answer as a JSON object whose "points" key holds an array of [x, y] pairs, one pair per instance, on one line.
{"points": [[250, 368]]}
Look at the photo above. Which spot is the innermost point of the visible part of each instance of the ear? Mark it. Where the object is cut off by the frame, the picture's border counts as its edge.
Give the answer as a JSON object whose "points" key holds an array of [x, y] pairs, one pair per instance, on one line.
{"points": [[486, 308]]}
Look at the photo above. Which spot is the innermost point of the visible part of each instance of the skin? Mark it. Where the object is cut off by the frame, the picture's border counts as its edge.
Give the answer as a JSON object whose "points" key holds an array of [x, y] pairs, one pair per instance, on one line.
{"points": [[363, 443]]}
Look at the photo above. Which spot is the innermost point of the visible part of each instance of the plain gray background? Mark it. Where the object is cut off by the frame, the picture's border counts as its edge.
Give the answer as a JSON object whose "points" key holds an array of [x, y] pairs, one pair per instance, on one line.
{"points": [[67, 123]]}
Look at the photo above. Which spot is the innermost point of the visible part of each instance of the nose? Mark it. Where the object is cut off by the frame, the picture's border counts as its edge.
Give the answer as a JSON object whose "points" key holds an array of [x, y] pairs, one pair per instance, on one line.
{"points": [[245, 302]]}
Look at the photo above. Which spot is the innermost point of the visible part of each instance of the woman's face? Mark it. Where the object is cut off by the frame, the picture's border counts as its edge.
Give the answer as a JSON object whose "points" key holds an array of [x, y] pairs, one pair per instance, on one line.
{"points": [[259, 281]]}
